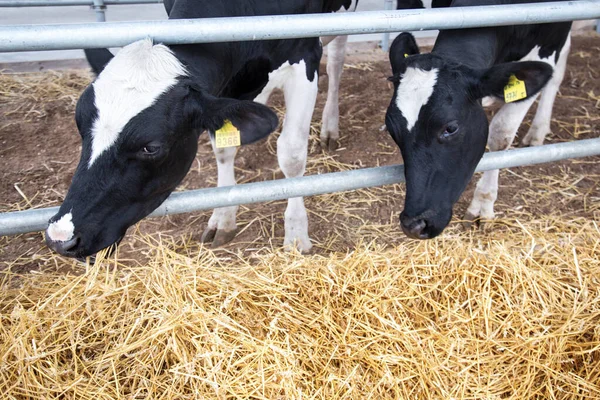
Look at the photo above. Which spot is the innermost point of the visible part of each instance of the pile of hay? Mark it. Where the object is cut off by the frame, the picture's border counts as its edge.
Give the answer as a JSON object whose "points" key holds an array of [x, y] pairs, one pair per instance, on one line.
{"points": [[36, 95], [512, 314]]}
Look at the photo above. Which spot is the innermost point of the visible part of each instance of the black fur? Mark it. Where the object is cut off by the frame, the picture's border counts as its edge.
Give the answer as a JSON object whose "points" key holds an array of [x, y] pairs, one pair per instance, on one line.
{"points": [[403, 46], [412, 4], [471, 64], [155, 149], [98, 58]]}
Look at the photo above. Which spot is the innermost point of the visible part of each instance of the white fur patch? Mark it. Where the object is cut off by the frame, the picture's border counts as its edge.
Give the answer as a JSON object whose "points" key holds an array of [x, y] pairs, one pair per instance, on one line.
{"points": [[130, 83], [534, 55], [61, 230], [414, 91]]}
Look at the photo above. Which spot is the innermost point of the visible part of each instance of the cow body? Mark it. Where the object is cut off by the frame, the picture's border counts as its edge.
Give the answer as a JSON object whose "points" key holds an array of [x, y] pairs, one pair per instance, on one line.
{"points": [[141, 118], [437, 120]]}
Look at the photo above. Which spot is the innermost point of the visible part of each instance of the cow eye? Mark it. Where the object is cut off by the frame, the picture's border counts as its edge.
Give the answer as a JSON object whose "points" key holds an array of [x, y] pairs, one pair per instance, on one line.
{"points": [[150, 151], [450, 130]]}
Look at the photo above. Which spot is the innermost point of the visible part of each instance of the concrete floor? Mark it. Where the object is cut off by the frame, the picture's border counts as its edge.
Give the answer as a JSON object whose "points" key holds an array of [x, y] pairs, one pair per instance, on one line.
{"points": [[80, 14]]}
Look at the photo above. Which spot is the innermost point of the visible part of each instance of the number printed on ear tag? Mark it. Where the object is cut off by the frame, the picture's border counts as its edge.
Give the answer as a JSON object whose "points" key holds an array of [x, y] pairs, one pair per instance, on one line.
{"points": [[515, 90], [227, 136]]}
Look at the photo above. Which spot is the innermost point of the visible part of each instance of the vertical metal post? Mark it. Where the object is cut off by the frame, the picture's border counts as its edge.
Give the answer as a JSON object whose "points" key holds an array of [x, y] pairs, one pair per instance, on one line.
{"points": [[598, 25], [99, 8], [385, 40]]}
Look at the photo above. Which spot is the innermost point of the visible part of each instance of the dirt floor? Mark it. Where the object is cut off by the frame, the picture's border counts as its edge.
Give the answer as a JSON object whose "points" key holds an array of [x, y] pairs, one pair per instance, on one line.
{"points": [[39, 151]]}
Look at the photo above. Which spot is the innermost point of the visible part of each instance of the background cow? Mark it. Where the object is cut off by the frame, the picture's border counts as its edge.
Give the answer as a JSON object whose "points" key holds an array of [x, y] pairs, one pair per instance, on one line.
{"points": [[437, 120], [336, 53], [141, 118]]}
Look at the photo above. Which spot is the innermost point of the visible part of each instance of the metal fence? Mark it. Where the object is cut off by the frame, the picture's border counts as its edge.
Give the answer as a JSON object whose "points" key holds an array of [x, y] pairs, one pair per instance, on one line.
{"points": [[279, 189], [49, 37], [99, 6], [115, 34]]}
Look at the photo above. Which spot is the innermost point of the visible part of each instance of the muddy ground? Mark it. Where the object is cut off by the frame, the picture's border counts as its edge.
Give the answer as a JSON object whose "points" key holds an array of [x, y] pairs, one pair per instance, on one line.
{"points": [[39, 151]]}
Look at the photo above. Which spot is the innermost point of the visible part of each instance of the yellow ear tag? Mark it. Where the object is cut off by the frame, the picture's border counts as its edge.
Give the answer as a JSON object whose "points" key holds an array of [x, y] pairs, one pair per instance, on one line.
{"points": [[227, 136], [515, 90], [405, 55]]}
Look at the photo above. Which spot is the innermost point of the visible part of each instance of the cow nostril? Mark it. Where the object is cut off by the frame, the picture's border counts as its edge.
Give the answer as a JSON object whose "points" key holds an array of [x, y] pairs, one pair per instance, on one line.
{"points": [[414, 227], [417, 228], [70, 244], [64, 247]]}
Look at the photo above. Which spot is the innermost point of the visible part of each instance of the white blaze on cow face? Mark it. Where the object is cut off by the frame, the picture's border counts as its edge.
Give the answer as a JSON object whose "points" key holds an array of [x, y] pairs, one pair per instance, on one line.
{"points": [[130, 83], [415, 89], [61, 230]]}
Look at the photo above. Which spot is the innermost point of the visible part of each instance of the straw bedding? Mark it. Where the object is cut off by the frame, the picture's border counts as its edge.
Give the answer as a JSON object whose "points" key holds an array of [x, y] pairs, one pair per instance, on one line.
{"points": [[508, 315], [511, 312]]}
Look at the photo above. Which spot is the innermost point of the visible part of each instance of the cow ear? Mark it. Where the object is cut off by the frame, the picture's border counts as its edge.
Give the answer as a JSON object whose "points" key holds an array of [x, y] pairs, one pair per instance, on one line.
{"points": [[532, 75], [254, 121], [98, 58], [404, 46]]}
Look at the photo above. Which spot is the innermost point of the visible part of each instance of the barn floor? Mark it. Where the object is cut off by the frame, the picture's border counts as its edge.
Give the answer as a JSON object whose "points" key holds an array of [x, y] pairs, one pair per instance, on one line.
{"points": [[40, 150], [542, 209]]}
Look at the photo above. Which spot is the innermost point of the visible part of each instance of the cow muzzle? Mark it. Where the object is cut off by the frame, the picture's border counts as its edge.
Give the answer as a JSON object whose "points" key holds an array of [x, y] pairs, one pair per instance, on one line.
{"points": [[68, 248], [426, 225]]}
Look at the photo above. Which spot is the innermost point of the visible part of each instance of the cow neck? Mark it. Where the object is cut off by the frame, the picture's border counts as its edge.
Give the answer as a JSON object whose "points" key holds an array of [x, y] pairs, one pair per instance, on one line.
{"points": [[205, 67], [475, 48]]}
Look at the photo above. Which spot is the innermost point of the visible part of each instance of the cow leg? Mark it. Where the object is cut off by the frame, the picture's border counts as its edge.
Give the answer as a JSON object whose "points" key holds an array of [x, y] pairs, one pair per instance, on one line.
{"points": [[300, 97], [222, 226], [540, 126], [330, 132], [263, 97], [503, 129]]}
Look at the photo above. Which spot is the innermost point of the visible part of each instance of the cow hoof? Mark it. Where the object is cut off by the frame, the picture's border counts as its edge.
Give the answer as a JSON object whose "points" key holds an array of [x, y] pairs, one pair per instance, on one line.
{"points": [[486, 226], [329, 144], [223, 237], [480, 222], [535, 136], [208, 235], [469, 221], [217, 237], [333, 145], [527, 142], [302, 245]]}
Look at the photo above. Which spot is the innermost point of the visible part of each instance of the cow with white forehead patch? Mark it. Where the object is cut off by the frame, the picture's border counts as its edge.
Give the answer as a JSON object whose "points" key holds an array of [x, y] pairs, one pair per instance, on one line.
{"points": [[437, 119], [336, 52], [141, 118]]}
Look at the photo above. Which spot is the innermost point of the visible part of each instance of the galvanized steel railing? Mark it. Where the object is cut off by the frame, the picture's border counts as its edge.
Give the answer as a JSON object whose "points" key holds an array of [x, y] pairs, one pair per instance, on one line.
{"points": [[115, 34], [204, 199], [98, 6], [51, 37]]}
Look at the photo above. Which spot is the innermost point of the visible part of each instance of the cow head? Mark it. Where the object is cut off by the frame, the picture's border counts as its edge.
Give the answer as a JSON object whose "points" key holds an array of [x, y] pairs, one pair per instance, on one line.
{"points": [[437, 120], [139, 123]]}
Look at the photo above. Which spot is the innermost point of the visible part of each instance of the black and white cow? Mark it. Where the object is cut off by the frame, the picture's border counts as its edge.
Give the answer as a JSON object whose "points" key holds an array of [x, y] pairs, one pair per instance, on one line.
{"points": [[437, 119], [336, 53], [411, 4], [141, 118]]}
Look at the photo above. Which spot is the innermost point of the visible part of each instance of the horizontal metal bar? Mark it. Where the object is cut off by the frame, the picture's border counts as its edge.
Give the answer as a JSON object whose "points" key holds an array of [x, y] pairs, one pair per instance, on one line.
{"points": [[203, 199], [59, 3], [114, 34]]}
